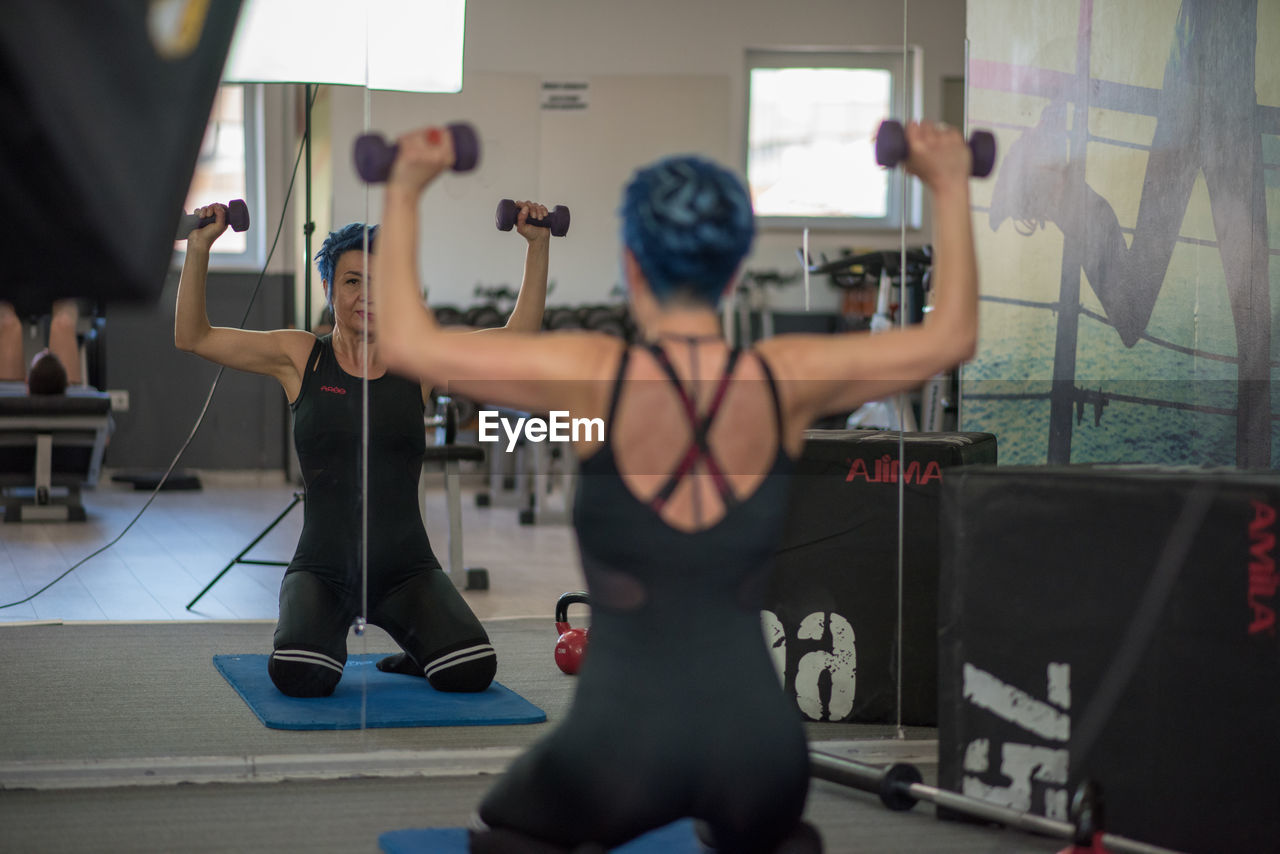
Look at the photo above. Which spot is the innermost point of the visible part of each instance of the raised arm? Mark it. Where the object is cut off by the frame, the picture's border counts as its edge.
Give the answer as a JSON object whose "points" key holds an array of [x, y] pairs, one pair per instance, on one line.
{"points": [[837, 373], [279, 353], [526, 316], [534, 372]]}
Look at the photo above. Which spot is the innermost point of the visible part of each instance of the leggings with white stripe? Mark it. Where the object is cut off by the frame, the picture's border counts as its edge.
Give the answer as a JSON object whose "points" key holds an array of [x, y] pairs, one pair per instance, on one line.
{"points": [[425, 615]]}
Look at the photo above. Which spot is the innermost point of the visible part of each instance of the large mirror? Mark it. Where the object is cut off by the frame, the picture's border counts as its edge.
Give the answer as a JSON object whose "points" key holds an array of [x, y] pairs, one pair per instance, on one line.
{"points": [[843, 244]]}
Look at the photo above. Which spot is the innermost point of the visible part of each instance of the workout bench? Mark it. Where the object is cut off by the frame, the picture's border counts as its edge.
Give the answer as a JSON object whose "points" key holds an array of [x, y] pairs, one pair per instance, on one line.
{"points": [[51, 445]]}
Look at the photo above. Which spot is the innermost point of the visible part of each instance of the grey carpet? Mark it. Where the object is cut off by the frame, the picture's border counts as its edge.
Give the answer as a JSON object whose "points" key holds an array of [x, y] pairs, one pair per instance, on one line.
{"points": [[346, 816], [130, 690], [118, 690]]}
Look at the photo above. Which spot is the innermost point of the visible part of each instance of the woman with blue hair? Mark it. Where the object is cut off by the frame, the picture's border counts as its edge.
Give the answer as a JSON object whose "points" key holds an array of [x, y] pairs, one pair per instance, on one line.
{"points": [[323, 590], [680, 504]]}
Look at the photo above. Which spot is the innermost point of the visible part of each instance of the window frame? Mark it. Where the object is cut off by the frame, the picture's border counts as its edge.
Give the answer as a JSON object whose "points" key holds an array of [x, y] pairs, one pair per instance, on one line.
{"points": [[905, 98], [254, 255]]}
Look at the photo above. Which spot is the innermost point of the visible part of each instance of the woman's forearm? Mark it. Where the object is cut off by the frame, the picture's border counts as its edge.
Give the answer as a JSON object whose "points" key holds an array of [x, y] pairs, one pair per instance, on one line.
{"points": [[191, 316], [404, 323], [526, 316], [955, 277]]}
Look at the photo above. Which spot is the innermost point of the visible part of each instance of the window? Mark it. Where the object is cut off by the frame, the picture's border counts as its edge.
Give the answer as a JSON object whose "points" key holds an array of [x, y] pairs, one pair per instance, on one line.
{"points": [[812, 116], [229, 168]]}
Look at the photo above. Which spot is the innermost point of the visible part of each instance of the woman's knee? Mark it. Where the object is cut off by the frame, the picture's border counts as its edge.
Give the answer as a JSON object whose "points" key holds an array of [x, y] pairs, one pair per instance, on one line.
{"points": [[304, 673], [466, 670]]}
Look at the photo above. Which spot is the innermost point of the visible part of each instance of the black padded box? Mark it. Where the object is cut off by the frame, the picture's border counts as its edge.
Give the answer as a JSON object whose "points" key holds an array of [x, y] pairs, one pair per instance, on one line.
{"points": [[832, 604], [1116, 624]]}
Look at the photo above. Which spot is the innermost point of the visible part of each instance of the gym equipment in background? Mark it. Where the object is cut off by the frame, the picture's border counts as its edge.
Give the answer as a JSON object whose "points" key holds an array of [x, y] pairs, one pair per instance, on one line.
{"points": [[830, 602], [51, 446], [571, 645], [1116, 623], [901, 786], [367, 697], [448, 452]]}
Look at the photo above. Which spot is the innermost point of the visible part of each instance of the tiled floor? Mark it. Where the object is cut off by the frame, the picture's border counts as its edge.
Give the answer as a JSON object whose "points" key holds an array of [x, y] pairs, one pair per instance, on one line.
{"points": [[185, 538]]}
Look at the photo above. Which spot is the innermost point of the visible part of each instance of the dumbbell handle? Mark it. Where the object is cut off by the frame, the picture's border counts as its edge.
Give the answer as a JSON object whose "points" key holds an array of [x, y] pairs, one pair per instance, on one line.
{"points": [[891, 148], [374, 155], [557, 219], [237, 218]]}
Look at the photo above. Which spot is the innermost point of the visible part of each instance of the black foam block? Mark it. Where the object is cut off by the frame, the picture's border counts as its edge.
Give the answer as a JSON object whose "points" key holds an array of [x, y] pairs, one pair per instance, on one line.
{"points": [[834, 588], [1117, 624]]}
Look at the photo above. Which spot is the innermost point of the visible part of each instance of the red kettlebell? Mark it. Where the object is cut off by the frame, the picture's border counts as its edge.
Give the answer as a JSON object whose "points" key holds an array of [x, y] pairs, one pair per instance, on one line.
{"points": [[571, 646]]}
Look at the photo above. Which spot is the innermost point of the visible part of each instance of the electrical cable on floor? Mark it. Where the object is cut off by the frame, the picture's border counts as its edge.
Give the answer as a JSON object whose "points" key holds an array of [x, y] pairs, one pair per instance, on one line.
{"points": [[208, 399]]}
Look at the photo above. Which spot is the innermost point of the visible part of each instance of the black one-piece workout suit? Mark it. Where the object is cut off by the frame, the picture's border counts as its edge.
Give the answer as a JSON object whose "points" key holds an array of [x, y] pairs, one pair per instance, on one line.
{"points": [[409, 594], [678, 710]]}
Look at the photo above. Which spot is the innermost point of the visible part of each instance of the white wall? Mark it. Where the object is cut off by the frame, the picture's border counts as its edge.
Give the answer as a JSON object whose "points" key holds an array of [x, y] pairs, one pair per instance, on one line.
{"points": [[578, 158], [664, 75]]}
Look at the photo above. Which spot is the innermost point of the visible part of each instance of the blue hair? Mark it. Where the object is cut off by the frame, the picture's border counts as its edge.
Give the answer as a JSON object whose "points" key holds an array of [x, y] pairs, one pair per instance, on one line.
{"points": [[350, 236], [689, 224]]}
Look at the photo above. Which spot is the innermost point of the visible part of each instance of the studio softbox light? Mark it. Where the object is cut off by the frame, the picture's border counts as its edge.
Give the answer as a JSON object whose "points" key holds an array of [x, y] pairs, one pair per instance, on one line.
{"points": [[103, 106], [400, 45]]}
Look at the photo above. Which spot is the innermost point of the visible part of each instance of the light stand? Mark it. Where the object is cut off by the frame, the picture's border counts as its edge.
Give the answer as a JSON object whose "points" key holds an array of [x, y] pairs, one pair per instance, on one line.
{"points": [[308, 226], [240, 558]]}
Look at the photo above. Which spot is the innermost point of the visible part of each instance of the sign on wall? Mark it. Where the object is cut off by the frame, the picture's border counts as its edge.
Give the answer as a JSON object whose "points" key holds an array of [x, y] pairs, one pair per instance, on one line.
{"points": [[564, 95]]}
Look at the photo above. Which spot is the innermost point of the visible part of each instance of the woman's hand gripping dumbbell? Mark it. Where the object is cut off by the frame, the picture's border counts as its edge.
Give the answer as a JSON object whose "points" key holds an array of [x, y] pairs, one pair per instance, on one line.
{"points": [[237, 218], [557, 220], [892, 149], [374, 155]]}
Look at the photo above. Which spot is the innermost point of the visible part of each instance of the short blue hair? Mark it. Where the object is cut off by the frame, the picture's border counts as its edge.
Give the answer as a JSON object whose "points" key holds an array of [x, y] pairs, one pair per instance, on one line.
{"points": [[350, 236], [689, 223]]}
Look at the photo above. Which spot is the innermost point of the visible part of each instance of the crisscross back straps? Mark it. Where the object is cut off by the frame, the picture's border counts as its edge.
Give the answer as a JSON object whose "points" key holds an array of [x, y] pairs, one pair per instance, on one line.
{"points": [[699, 450]]}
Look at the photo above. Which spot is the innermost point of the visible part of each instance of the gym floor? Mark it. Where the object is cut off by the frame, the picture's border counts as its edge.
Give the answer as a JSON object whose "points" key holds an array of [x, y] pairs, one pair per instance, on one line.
{"points": [[185, 538]]}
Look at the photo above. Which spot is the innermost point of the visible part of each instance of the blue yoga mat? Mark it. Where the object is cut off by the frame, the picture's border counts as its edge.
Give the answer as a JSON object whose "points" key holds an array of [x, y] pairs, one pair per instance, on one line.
{"points": [[676, 838], [388, 699]]}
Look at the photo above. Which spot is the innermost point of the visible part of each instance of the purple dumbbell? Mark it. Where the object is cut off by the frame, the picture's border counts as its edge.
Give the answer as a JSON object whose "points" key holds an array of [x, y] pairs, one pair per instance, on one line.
{"points": [[237, 218], [557, 220], [374, 155], [891, 148]]}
